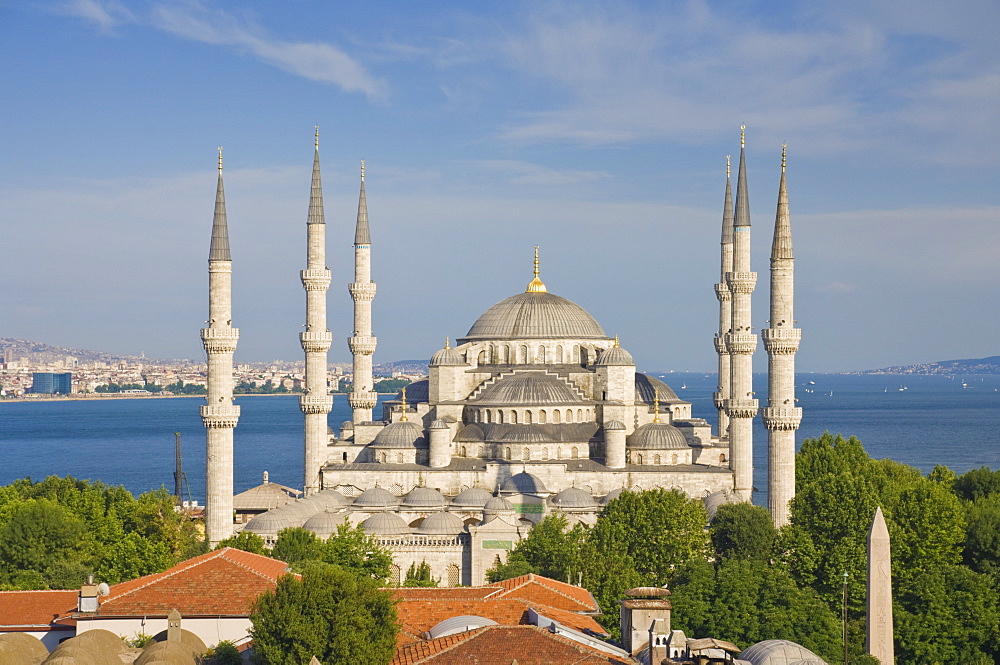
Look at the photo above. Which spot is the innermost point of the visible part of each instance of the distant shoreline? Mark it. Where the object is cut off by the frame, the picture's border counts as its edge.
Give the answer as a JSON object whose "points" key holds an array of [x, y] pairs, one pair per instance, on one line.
{"points": [[116, 396]]}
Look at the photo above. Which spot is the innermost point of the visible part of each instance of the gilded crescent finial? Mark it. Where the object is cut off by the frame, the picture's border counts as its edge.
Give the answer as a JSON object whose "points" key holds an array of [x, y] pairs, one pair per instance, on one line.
{"points": [[656, 406], [317, 137], [362, 170], [784, 153], [616, 341], [220, 159], [403, 418], [447, 342], [743, 136], [727, 165], [536, 285]]}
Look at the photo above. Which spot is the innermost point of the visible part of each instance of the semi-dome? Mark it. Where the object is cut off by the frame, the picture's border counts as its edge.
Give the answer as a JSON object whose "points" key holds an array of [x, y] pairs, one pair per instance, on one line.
{"points": [[441, 524], [376, 497], [324, 524], [657, 436], [574, 497], [648, 387], [524, 483], [616, 355], [424, 498], [614, 425], [498, 506], [534, 315], [526, 434], [471, 497], [780, 652], [528, 389], [400, 434], [385, 524]]}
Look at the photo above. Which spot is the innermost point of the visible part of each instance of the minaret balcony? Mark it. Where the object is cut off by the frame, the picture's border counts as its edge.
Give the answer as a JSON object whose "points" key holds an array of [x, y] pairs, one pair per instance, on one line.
{"points": [[742, 408], [741, 282], [719, 399], [316, 403], [362, 291], [364, 399], [315, 279], [363, 345], [781, 418], [741, 343], [220, 340], [223, 416], [316, 342], [720, 345], [781, 341], [723, 293]]}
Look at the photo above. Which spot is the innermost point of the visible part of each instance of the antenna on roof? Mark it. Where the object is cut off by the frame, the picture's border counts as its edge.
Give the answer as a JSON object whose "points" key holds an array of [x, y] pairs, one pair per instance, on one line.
{"points": [[103, 590]]}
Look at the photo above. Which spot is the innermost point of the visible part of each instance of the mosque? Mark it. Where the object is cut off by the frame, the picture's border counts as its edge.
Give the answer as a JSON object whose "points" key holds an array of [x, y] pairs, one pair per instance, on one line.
{"points": [[535, 410]]}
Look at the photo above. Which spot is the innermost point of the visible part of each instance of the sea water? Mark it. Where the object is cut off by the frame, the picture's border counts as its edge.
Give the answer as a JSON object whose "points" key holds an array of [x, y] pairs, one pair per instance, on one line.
{"points": [[917, 420]]}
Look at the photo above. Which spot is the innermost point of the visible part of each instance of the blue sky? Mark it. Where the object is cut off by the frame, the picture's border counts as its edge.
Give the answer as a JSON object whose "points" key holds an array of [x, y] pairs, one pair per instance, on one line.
{"points": [[598, 131]]}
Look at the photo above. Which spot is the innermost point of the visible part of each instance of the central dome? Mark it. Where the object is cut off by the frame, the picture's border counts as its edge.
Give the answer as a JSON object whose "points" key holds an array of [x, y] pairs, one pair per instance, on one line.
{"points": [[534, 315]]}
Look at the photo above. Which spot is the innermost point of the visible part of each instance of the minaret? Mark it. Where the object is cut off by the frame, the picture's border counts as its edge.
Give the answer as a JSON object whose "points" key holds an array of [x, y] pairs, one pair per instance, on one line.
{"points": [[219, 415], [725, 310], [781, 340], [315, 401], [741, 342], [362, 343]]}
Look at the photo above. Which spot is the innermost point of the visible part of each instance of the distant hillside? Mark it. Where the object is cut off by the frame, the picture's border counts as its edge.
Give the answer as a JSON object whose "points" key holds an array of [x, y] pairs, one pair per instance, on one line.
{"points": [[39, 352], [403, 366], [989, 365]]}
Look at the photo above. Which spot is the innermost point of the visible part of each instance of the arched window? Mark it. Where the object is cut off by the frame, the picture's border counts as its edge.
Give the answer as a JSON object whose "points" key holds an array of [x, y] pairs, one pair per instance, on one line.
{"points": [[556, 416], [399, 458], [576, 352], [569, 415], [541, 416], [482, 357], [394, 576], [522, 354], [575, 452], [513, 417], [454, 575], [559, 354], [489, 416], [500, 416], [506, 452], [383, 458], [540, 356], [464, 454], [506, 353], [545, 453], [656, 459], [527, 417], [579, 415], [526, 453], [640, 459], [673, 458]]}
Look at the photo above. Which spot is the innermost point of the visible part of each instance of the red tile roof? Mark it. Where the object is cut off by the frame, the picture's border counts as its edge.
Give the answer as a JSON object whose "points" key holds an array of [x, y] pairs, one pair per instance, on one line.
{"points": [[35, 610], [550, 592], [499, 645], [220, 583]]}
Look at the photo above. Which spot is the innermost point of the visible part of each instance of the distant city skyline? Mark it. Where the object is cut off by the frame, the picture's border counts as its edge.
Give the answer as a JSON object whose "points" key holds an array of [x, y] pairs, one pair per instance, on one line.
{"points": [[599, 134]]}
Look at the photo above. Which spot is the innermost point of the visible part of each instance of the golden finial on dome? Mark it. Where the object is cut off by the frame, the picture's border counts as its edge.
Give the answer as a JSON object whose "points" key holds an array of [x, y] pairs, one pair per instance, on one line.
{"points": [[447, 342], [362, 170], [743, 136], [536, 285], [220, 159], [656, 406], [727, 165], [403, 418], [784, 147], [317, 137], [616, 341]]}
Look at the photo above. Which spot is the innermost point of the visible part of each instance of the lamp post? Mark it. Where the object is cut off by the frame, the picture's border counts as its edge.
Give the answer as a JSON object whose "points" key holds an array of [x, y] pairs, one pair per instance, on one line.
{"points": [[845, 617]]}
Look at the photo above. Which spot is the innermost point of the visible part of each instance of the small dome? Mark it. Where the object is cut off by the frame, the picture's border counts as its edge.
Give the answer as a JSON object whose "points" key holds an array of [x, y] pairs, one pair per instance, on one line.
{"points": [[657, 436], [424, 497], [446, 357], [330, 499], [22, 648], [460, 624], [438, 424], [529, 389], [376, 497], [574, 497], [523, 482], [401, 434], [416, 391], [271, 522], [471, 433], [385, 524], [616, 355], [611, 496], [614, 425], [325, 524], [347, 424], [301, 510], [647, 387], [441, 524], [498, 506], [780, 652], [716, 499], [526, 434], [471, 497]]}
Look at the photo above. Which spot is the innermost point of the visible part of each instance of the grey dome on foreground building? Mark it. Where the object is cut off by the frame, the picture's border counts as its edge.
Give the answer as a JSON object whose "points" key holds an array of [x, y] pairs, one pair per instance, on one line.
{"points": [[471, 497], [657, 436], [524, 483], [780, 652], [441, 524], [385, 524], [403, 434], [424, 498], [528, 388], [376, 497]]}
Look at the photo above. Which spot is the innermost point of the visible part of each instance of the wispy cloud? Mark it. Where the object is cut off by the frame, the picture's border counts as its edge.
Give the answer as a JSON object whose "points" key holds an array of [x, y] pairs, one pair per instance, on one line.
{"points": [[106, 15], [525, 173]]}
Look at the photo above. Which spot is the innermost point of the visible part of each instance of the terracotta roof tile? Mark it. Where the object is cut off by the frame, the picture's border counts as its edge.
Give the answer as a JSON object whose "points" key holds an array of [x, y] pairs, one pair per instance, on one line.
{"points": [[35, 610], [499, 645], [549, 591], [220, 583]]}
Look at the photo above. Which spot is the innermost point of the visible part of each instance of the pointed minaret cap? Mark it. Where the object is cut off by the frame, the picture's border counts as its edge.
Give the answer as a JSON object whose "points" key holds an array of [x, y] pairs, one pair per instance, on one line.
{"points": [[536, 285], [316, 215], [742, 214], [219, 249], [781, 247], [362, 235], [727, 210]]}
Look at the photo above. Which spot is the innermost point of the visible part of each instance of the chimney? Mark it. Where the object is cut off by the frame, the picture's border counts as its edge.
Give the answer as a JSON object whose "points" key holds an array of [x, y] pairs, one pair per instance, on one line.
{"points": [[644, 607], [87, 601], [174, 626]]}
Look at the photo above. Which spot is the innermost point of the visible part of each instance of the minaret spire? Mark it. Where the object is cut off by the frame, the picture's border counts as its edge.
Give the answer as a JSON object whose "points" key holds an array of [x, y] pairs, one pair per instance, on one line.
{"points": [[219, 415], [725, 298], [781, 340], [740, 340], [315, 401], [362, 344]]}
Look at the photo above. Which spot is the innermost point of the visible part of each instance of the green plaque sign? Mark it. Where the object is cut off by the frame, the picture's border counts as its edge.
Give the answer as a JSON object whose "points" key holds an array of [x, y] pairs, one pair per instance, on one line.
{"points": [[498, 545], [529, 508]]}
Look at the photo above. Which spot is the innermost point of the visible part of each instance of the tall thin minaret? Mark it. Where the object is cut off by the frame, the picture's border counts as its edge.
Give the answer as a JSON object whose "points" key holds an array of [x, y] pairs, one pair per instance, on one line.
{"points": [[316, 401], [725, 310], [362, 343], [781, 340], [741, 342], [219, 415]]}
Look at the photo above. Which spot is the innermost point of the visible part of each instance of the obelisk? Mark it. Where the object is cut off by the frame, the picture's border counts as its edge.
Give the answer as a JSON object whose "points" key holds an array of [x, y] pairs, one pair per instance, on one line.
{"points": [[879, 640]]}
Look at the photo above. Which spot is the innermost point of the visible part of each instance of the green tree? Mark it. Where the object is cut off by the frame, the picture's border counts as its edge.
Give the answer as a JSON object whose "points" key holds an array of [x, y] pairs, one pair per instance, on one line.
{"points": [[515, 567], [246, 541], [977, 483], [296, 545], [553, 549], [131, 557], [743, 531], [330, 613], [44, 537], [419, 575], [982, 536], [353, 549], [224, 653]]}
